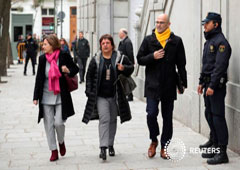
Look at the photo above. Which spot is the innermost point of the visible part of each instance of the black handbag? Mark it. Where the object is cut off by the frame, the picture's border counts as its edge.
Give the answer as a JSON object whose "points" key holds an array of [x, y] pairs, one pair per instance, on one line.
{"points": [[127, 83], [179, 83]]}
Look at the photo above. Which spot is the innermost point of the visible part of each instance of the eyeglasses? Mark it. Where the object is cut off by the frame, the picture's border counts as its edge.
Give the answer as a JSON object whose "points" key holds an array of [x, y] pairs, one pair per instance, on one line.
{"points": [[160, 22]]}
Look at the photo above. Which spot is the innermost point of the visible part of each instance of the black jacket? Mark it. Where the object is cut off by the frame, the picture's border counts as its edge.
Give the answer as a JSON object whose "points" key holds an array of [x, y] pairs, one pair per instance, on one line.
{"points": [[67, 106], [82, 48], [31, 47], [161, 79], [216, 55], [126, 48], [93, 82]]}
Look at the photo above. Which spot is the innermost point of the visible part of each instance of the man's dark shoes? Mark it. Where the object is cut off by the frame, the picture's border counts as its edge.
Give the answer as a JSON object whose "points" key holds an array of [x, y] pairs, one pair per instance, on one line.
{"points": [[103, 154], [219, 158], [208, 144], [82, 81], [152, 149], [164, 154], [111, 151]]}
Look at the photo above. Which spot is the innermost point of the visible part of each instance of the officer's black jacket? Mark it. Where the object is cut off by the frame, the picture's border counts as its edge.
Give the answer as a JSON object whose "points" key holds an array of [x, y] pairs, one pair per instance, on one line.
{"points": [[161, 79], [216, 55], [126, 48], [31, 47]]}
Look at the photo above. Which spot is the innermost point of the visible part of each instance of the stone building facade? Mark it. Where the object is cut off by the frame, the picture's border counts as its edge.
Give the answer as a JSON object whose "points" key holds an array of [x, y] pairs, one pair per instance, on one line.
{"points": [[108, 16]]}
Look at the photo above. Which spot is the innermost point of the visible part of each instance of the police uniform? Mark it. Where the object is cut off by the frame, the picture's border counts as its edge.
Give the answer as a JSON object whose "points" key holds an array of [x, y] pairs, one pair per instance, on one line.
{"points": [[31, 50], [216, 55]]}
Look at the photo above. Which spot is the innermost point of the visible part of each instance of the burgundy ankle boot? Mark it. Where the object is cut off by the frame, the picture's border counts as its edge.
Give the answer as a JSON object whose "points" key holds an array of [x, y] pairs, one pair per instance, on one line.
{"points": [[54, 155], [62, 149]]}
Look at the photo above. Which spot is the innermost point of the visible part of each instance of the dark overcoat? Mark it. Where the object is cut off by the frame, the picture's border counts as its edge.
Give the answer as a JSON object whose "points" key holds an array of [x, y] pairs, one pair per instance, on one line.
{"points": [[93, 83], [161, 76], [67, 105]]}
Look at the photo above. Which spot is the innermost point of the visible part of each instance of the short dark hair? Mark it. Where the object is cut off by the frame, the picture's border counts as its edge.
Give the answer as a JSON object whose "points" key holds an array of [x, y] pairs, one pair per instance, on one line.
{"points": [[109, 37], [53, 41]]}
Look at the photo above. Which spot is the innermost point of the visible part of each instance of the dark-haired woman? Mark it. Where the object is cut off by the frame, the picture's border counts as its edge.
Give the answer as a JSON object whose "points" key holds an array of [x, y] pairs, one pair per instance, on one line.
{"points": [[51, 92], [105, 95]]}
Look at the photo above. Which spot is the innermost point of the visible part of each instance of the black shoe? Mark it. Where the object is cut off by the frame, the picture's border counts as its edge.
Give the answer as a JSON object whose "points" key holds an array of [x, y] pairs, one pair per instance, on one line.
{"points": [[209, 152], [219, 158], [111, 151], [208, 155], [208, 144], [33, 74], [24, 74], [103, 154]]}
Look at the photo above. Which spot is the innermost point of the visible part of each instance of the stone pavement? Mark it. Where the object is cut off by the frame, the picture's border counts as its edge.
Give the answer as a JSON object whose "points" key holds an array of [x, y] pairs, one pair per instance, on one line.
{"points": [[23, 144]]}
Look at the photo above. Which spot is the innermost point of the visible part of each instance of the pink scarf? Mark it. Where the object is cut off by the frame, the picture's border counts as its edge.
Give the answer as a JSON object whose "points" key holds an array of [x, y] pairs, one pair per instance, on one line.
{"points": [[54, 73]]}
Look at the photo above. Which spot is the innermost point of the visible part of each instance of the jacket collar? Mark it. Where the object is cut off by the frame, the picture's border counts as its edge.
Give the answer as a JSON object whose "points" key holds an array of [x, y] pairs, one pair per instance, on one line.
{"points": [[124, 39], [98, 57], [212, 33]]}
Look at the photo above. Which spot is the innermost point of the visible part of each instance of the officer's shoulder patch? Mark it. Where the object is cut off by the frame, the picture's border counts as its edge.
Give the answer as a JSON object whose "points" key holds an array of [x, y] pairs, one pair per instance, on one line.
{"points": [[211, 47], [221, 48]]}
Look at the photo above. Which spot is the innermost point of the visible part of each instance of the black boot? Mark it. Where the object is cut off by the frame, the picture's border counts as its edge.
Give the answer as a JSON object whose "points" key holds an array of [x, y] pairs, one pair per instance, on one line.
{"points": [[103, 154], [208, 144], [209, 152], [111, 151], [219, 158]]}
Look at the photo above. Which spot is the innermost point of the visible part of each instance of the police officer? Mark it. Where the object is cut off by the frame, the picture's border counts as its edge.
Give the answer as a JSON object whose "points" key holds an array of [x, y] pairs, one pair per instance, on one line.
{"points": [[125, 47], [31, 48], [213, 78]]}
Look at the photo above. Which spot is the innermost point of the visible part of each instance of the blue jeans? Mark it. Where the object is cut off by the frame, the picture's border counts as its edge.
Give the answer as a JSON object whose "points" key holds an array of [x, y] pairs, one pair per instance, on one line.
{"points": [[167, 113]]}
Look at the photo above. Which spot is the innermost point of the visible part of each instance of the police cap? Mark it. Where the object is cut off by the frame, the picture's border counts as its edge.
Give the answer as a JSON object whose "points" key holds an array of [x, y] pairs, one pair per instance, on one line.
{"points": [[212, 16]]}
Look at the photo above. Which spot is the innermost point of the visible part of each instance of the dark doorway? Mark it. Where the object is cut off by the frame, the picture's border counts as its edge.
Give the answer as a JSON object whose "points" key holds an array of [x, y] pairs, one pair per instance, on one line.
{"points": [[28, 29], [17, 31]]}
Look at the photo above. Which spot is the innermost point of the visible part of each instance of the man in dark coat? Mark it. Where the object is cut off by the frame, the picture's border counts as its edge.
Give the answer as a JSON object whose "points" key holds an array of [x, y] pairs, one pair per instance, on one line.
{"points": [[213, 79], [161, 52], [126, 48], [31, 50], [82, 50]]}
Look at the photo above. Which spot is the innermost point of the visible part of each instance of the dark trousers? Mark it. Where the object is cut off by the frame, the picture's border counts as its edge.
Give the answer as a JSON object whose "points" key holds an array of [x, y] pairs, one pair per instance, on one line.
{"points": [[215, 116], [82, 67], [33, 63], [167, 113]]}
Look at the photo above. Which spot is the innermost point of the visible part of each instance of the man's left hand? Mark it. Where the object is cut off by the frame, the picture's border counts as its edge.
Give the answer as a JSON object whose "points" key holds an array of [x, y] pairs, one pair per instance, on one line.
{"points": [[209, 92]]}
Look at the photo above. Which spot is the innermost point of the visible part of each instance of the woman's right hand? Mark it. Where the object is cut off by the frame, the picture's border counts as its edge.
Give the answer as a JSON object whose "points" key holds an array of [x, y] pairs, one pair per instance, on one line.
{"points": [[35, 102]]}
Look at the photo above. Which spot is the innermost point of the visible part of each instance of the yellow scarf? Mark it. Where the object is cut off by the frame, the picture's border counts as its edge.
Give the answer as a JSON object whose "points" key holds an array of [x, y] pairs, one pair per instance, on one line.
{"points": [[163, 36]]}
